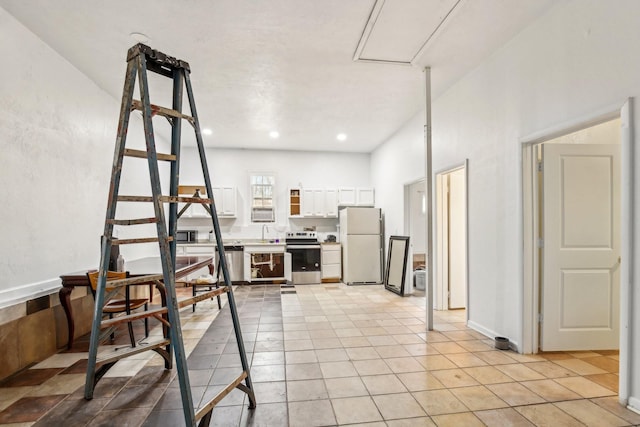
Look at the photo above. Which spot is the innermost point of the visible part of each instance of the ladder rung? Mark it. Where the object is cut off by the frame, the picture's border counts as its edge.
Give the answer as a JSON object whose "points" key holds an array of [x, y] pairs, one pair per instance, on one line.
{"points": [[134, 280], [162, 111], [121, 353], [143, 155], [132, 221], [208, 407], [196, 200], [135, 199], [203, 296], [133, 316], [166, 199], [138, 240]]}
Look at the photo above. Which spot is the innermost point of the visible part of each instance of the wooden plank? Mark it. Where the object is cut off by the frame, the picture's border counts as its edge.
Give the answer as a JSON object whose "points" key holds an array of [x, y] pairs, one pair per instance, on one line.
{"points": [[162, 111], [118, 320], [203, 296], [208, 407], [134, 280], [129, 152], [132, 221], [120, 353], [197, 200], [135, 199], [138, 240]]}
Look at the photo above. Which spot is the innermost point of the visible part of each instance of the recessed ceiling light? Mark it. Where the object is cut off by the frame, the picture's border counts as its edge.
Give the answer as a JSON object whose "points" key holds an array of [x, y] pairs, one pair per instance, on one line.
{"points": [[274, 134], [139, 37], [207, 131], [341, 136]]}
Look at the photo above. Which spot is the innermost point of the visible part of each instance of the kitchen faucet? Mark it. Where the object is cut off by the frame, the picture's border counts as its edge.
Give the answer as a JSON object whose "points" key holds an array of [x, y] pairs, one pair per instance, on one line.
{"points": [[263, 228]]}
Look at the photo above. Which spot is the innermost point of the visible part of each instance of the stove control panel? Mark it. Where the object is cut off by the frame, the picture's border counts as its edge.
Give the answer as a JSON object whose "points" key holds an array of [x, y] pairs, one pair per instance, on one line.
{"points": [[302, 235]]}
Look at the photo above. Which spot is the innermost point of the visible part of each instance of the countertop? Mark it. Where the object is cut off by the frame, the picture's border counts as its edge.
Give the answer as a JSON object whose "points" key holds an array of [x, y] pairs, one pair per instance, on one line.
{"points": [[242, 242]]}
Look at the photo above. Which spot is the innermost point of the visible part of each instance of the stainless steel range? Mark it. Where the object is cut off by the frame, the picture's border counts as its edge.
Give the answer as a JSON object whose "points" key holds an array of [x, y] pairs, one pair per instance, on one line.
{"points": [[305, 257]]}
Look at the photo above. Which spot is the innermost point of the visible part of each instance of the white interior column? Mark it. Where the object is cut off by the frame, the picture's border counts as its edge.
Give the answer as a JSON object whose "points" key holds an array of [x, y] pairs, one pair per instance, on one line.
{"points": [[428, 192]]}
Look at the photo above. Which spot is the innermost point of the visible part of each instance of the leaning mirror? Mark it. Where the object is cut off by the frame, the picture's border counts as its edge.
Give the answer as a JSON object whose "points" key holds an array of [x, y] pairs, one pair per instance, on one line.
{"points": [[396, 264]]}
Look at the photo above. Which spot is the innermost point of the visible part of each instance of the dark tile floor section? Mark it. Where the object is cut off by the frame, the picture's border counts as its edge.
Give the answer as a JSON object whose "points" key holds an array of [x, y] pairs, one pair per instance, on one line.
{"points": [[215, 362], [29, 409]]}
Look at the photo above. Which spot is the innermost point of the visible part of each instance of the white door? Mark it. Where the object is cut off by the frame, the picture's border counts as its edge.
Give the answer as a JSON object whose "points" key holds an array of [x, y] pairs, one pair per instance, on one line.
{"points": [[451, 239], [581, 239], [457, 240]]}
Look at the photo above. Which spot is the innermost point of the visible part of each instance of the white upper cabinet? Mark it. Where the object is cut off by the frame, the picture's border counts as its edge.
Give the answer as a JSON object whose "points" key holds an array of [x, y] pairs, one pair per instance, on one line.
{"points": [[226, 201], [361, 196], [365, 197], [331, 203], [346, 196], [308, 202], [224, 197], [313, 203]]}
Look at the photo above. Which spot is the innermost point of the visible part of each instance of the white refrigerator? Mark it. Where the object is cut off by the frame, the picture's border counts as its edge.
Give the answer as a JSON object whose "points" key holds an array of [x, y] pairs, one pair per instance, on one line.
{"points": [[361, 239]]}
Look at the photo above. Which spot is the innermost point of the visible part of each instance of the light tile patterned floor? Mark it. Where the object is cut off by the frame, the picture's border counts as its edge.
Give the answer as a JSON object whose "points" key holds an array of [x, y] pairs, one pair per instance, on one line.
{"points": [[331, 355]]}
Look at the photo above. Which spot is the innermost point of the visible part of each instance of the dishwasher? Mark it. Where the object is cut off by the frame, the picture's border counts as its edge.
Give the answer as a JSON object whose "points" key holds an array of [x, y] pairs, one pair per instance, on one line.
{"points": [[234, 254]]}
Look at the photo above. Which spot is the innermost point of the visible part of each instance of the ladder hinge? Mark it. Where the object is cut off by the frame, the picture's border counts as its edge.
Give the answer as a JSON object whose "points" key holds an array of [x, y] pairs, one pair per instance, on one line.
{"points": [[540, 167], [540, 242]]}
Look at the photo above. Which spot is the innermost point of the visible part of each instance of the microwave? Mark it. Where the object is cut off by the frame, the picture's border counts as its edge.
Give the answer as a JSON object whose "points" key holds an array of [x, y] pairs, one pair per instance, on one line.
{"points": [[186, 236]]}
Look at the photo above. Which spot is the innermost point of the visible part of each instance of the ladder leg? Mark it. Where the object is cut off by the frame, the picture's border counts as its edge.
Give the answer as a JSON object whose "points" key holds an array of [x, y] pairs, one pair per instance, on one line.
{"points": [[123, 124], [176, 133], [165, 251], [220, 245], [131, 336]]}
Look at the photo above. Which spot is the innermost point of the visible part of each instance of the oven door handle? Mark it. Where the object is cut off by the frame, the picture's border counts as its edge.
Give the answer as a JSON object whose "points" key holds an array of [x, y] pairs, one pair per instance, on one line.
{"points": [[303, 246]]}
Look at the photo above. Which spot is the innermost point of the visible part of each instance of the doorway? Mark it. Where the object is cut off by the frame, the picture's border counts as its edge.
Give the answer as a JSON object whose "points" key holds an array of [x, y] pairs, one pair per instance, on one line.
{"points": [[533, 227], [451, 238], [579, 229]]}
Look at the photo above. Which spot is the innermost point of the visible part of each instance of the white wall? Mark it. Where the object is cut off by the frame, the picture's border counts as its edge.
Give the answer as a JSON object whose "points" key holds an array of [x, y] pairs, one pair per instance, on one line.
{"points": [[291, 169], [572, 63], [398, 162], [57, 133]]}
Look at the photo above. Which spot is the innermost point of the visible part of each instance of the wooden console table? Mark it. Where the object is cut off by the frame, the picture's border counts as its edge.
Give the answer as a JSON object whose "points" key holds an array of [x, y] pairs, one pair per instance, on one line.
{"points": [[185, 265]]}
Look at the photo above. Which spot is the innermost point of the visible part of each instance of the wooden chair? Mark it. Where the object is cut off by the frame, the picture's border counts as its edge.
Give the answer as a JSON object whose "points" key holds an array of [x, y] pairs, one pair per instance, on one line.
{"points": [[125, 305]]}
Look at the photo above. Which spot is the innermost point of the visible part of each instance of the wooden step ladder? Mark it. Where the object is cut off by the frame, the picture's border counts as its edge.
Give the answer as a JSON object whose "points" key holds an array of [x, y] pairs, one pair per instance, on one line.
{"points": [[140, 60]]}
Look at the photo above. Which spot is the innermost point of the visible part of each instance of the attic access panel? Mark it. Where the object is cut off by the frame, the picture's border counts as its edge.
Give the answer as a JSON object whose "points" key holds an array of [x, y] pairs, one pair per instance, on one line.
{"points": [[397, 31]]}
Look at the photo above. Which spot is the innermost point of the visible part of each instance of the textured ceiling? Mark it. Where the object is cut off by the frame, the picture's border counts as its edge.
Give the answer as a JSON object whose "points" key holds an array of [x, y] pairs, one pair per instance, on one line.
{"points": [[309, 69]]}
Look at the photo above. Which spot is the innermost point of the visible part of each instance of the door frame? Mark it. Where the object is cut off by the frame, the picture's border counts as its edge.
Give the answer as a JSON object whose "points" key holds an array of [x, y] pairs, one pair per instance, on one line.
{"points": [[441, 286], [530, 301]]}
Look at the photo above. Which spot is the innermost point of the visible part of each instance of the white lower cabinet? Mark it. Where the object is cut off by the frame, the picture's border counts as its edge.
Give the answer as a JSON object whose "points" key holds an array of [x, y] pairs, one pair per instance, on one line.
{"points": [[331, 261], [266, 262]]}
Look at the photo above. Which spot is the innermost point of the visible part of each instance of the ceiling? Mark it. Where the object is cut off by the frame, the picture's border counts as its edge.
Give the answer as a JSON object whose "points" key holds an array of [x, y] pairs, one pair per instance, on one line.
{"points": [[309, 69]]}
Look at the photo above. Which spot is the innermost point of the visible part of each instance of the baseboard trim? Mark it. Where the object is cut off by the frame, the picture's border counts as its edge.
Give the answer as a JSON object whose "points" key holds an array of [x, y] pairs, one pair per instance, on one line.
{"points": [[513, 345], [634, 405], [21, 294]]}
